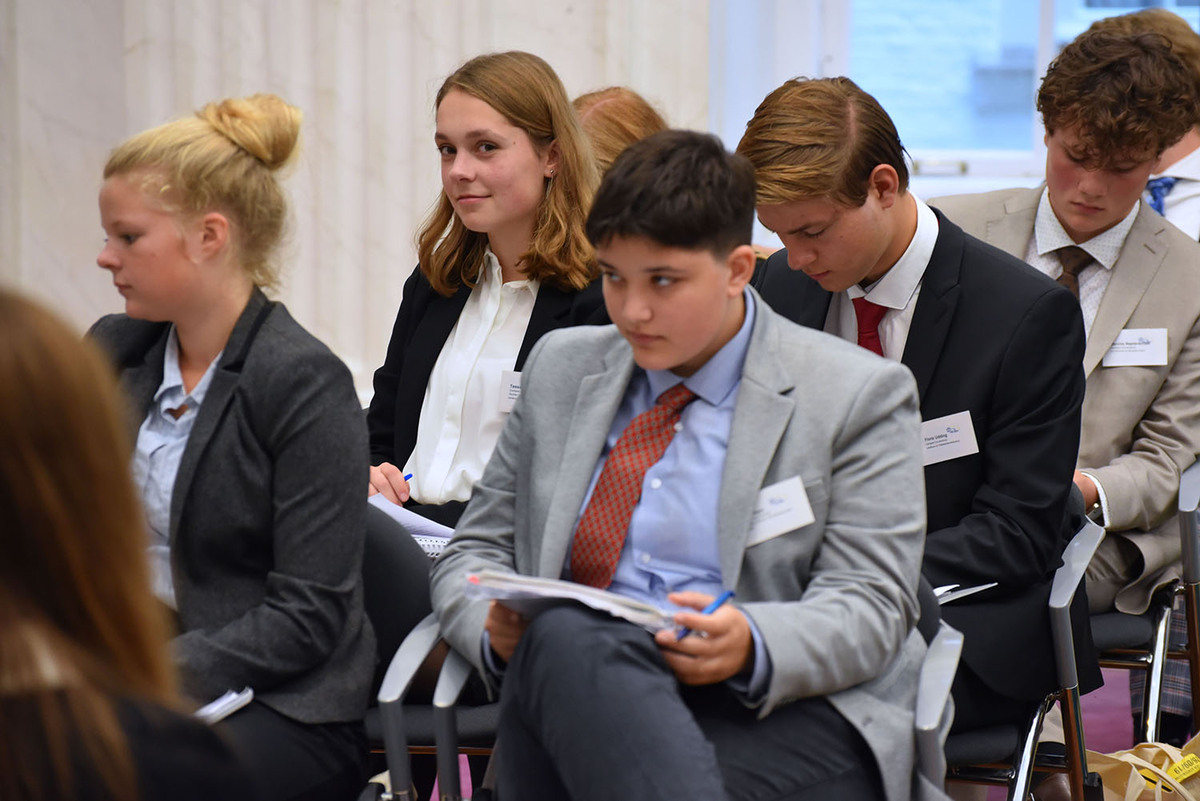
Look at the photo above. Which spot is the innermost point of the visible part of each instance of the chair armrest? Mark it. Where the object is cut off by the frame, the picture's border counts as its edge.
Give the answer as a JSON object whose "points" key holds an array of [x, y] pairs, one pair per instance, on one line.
{"points": [[453, 677], [396, 682], [1189, 526], [931, 721], [1076, 557]]}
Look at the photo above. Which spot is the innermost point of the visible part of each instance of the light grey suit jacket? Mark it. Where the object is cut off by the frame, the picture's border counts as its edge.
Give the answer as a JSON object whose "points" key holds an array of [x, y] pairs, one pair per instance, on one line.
{"points": [[834, 600], [1141, 425]]}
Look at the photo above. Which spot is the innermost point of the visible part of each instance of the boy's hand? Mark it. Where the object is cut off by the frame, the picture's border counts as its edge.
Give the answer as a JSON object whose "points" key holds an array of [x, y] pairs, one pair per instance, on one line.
{"points": [[719, 647], [504, 628]]}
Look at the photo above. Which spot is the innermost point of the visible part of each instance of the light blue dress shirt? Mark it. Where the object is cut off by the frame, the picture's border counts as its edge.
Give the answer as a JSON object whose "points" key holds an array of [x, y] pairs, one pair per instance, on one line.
{"points": [[160, 444]]}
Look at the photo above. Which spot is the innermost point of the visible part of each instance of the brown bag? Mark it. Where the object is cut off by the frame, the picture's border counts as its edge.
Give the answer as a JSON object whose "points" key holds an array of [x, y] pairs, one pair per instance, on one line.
{"points": [[1149, 772]]}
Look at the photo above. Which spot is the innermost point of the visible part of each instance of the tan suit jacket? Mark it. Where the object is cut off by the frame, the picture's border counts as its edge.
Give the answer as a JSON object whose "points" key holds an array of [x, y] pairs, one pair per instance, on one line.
{"points": [[1141, 425]]}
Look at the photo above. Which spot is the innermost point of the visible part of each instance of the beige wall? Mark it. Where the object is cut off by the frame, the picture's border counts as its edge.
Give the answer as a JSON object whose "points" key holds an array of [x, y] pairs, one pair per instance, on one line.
{"points": [[77, 76]]}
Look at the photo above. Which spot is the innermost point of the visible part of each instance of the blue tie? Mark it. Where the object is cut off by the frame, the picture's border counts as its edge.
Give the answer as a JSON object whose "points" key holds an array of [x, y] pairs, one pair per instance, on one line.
{"points": [[1158, 189]]}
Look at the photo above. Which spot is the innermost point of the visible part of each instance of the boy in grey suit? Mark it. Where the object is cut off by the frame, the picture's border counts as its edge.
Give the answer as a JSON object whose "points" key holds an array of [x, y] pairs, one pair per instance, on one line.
{"points": [[777, 462]]}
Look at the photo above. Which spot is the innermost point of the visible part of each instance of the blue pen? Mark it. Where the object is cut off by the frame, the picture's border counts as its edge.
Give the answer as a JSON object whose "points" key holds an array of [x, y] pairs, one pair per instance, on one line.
{"points": [[408, 477], [708, 610]]}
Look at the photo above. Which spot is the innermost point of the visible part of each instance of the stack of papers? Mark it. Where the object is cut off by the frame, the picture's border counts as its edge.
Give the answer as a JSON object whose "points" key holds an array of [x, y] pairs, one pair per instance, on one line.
{"points": [[530, 595], [225, 706], [431, 536]]}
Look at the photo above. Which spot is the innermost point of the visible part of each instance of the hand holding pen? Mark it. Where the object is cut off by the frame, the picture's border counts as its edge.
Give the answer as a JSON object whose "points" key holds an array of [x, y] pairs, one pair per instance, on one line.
{"points": [[725, 649]]}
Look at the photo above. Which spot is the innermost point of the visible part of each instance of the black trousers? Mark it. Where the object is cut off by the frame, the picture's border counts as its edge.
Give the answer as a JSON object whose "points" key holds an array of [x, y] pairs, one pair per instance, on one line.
{"points": [[294, 761], [589, 710]]}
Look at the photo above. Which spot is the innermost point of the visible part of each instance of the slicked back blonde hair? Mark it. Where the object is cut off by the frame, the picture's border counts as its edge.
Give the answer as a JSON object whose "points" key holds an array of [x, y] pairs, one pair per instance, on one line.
{"points": [[78, 625], [528, 94], [814, 138], [615, 118], [224, 158]]}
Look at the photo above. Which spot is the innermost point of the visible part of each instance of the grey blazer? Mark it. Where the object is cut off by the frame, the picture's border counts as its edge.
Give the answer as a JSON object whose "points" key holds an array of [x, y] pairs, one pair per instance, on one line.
{"points": [[267, 516], [1141, 425], [834, 600]]}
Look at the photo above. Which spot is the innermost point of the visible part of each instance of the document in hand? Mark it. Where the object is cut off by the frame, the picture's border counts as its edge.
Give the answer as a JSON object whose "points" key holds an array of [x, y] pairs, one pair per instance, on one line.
{"points": [[529, 595], [225, 706], [431, 536]]}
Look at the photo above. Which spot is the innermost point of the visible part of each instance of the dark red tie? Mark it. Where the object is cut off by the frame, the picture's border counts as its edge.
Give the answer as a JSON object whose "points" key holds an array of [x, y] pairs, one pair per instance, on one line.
{"points": [[600, 535], [868, 315]]}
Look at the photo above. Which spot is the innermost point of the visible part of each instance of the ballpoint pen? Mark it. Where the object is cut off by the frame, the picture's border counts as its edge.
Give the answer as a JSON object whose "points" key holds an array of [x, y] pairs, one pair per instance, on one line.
{"points": [[717, 603]]}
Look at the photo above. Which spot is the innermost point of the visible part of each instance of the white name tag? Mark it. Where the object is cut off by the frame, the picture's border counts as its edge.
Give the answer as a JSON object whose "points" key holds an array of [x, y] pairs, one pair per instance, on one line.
{"points": [[510, 389], [1138, 347], [948, 437], [781, 507]]}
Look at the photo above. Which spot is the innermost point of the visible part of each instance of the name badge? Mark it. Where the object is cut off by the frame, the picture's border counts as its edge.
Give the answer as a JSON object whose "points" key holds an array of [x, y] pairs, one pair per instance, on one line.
{"points": [[510, 389], [781, 507], [1138, 347], [949, 437]]}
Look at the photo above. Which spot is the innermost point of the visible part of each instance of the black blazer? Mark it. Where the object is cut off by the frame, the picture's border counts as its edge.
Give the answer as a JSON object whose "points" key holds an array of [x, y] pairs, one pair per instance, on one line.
{"points": [[422, 326], [995, 337], [267, 516]]}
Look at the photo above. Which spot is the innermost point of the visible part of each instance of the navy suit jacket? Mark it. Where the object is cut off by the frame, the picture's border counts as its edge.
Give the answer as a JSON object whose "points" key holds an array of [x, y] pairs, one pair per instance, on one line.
{"points": [[267, 516], [992, 336], [423, 324]]}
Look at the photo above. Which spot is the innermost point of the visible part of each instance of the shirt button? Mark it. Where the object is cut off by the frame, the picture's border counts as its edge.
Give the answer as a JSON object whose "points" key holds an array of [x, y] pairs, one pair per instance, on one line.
{"points": [[645, 559], [655, 483], [678, 427]]}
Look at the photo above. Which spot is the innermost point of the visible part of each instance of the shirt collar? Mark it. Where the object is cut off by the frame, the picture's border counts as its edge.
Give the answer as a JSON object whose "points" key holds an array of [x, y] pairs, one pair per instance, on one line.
{"points": [[896, 288], [1049, 234], [173, 378], [719, 375], [492, 274], [1187, 167]]}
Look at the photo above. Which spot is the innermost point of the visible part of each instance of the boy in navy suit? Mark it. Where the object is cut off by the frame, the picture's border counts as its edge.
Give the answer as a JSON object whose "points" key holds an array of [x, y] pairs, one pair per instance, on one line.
{"points": [[995, 348]]}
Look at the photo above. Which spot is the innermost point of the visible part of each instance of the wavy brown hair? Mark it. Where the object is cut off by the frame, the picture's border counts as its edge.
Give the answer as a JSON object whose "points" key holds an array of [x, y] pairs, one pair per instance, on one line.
{"points": [[223, 158], [526, 91], [1127, 98], [615, 118], [821, 137], [78, 623]]}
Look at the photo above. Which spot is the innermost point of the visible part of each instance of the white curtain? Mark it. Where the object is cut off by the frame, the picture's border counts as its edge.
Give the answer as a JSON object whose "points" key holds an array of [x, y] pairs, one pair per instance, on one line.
{"points": [[78, 76]]}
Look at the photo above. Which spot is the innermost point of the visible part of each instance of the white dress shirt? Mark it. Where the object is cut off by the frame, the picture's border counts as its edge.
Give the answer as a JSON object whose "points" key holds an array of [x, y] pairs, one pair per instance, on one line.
{"points": [[898, 290], [1105, 248], [461, 414], [1181, 206], [1049, 235]]}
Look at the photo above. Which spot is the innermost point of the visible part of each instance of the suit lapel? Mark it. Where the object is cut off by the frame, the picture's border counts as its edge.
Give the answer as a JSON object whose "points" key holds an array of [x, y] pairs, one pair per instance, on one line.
{"points": [[551, 306], [1140, 259], [220, 393], [140, 381], [761, 415], [1012, 229], [935, 305], [596, 402]]}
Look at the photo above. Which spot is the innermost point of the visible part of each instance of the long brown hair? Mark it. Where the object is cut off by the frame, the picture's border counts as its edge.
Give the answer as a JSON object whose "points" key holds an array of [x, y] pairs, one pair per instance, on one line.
{"points": [[78, 623], [527, 92], [615, 118]]}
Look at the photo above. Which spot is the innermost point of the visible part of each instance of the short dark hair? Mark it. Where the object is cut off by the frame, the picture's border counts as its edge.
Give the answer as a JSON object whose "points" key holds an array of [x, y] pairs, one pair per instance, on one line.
{"points": [[678, 189], [1128, 97]]}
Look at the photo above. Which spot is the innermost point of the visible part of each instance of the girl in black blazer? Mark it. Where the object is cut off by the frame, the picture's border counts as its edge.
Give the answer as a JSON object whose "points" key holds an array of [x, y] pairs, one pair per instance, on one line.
{"points": [[250, 444], [503, 259]]}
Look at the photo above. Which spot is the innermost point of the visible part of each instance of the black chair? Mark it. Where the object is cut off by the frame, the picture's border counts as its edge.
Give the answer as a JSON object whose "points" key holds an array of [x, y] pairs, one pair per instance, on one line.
{"points": [[1140, 642], [1008, 755]]}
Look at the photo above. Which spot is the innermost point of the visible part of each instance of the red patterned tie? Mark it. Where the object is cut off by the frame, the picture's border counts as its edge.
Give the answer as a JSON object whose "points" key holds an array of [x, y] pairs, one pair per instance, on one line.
{"points": [[868, 315], [600, 535]]}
